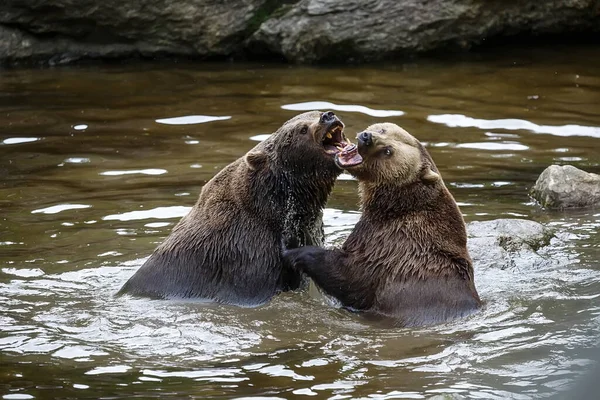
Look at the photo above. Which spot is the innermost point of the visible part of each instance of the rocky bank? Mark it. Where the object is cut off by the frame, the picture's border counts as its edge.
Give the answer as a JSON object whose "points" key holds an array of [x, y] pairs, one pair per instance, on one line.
{"points": [[306, 31]]}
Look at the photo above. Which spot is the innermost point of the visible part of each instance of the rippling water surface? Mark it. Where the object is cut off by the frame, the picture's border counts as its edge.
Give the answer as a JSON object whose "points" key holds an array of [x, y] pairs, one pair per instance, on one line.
{"points": [[97, 164]]}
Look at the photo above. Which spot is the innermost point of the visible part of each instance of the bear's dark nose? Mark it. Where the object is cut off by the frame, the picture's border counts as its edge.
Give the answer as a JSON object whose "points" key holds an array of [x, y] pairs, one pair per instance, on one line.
{"points": [[327, 117], [366, 138]]}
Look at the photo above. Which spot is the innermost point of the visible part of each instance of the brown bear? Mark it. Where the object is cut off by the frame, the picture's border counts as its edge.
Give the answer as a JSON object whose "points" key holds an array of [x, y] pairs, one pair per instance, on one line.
{"points": [[228, 249], [406, 259]]}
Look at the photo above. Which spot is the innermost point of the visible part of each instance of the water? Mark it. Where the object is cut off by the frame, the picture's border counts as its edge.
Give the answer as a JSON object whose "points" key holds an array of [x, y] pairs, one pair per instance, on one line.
{"points": [[99, 162]]}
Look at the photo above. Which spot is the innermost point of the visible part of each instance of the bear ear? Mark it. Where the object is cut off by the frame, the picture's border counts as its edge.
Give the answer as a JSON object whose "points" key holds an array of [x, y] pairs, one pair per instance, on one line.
{"points": [[429, 176], [256, 159]]}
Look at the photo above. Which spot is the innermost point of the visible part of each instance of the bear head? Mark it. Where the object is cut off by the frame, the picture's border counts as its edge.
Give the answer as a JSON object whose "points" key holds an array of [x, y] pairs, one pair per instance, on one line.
{"points": [[393, 157], [308, 143]]}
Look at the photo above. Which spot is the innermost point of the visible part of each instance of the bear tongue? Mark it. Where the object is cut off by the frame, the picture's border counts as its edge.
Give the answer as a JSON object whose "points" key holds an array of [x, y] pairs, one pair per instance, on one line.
{"points": [[349, 156]]}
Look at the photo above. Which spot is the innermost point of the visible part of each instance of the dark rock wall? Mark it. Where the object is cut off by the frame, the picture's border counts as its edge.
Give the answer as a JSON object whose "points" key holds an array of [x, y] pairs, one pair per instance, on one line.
{"points": [[305, 31], [317, 30]]}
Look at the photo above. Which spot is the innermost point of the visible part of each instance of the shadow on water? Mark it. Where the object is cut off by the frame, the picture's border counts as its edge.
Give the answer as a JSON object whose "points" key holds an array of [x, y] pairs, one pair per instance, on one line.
{"points": [[97, 164]]}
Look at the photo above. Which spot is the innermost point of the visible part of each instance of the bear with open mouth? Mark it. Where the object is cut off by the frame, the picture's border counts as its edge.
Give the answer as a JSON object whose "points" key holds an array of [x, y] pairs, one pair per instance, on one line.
{"points": [[228, 249], [406, 259]]}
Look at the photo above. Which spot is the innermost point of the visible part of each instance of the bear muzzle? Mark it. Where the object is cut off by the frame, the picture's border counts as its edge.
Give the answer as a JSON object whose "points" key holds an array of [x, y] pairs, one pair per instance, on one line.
{"points": [[365, 138]]}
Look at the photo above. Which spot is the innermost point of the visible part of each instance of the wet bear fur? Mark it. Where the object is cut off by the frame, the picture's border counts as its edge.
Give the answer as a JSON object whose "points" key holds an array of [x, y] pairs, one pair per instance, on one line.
{"points": [[228, 249], [406, 259]]}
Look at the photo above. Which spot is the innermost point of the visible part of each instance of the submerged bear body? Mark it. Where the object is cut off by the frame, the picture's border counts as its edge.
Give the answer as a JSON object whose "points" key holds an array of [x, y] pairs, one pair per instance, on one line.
{"points": [[228, 249], [406, 259]]}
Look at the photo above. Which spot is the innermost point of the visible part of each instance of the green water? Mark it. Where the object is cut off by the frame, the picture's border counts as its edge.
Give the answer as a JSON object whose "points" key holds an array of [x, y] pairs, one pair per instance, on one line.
{"points": [[92, 179]]}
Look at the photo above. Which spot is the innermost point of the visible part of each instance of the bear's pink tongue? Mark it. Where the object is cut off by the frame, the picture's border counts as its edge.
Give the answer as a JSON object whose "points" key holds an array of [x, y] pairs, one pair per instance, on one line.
{"points": [[349, 156]]}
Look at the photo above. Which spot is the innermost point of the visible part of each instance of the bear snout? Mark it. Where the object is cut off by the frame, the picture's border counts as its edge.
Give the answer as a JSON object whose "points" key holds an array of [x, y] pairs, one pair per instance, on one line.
{"points": [[365, 138], [327, 117]]}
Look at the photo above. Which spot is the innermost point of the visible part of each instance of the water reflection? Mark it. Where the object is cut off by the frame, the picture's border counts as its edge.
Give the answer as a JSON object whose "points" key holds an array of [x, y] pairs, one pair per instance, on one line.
{"points": [[158, 212], [61, 207], [260, 138], [148, 171], [18, 140], [494, 146], [191, 119], [325, 105], [457, 120], [77, 160]]}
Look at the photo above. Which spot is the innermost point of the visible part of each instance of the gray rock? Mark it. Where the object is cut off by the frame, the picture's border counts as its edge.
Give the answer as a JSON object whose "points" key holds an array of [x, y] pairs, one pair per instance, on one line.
{"points": [[65, 30], [335, 30], [508, 243], [59, 31], [567, 187]]}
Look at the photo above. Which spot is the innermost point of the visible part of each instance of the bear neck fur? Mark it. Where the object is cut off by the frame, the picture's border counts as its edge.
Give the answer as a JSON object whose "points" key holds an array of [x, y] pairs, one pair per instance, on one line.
{"points": [[300, 194], [423, 224]]}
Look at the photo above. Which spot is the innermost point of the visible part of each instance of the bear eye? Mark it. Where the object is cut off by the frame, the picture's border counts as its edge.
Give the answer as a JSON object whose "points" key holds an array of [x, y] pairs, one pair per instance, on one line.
{"points": [[387, 151], [304, 130]]}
